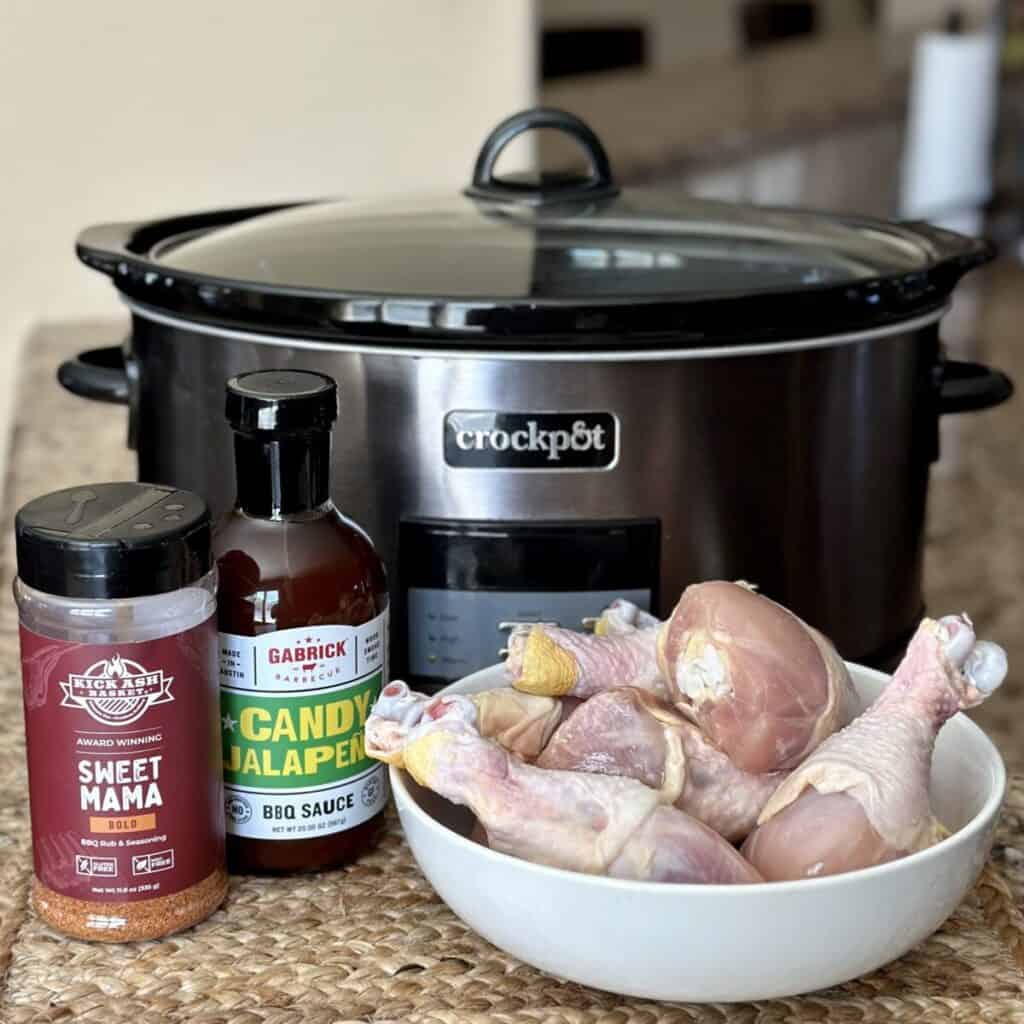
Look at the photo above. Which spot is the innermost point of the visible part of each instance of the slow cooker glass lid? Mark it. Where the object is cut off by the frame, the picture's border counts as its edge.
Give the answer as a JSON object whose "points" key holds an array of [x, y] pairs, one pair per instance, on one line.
{"points": [[557, 260], [639, 245]]}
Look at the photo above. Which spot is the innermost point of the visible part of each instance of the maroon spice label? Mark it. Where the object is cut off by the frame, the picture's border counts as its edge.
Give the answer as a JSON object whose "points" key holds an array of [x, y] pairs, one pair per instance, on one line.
{"points": [[124, 764]]}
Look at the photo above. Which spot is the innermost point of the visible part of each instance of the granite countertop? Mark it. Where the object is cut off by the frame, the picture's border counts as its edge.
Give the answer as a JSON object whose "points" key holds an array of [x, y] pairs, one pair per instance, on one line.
{"points": [[974, 553]]}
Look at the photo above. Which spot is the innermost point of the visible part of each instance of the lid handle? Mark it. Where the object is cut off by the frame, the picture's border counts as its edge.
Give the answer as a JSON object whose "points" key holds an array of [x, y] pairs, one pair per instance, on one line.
{"points": [[598, 183]]}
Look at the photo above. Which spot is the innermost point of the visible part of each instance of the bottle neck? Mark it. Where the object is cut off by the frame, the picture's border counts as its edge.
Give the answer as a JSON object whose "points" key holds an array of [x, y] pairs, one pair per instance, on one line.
{"points": [[282, 474]]}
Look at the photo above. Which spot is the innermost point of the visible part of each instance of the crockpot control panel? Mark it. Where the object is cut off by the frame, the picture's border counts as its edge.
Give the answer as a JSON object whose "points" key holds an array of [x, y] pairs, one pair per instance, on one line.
{"points": [[464, 583]]}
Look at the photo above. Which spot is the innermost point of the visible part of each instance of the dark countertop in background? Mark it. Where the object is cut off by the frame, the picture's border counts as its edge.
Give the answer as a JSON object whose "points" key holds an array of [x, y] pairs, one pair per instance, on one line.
{"points": [[657, 124], [837, 104]]}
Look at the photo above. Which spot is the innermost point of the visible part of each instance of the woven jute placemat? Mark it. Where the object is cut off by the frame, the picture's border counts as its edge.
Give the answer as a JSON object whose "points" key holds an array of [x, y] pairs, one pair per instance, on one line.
{"points": [[374, 942]]}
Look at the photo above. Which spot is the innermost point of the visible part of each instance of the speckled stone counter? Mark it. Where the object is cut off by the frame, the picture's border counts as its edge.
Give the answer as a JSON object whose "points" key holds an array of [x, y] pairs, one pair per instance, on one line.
{"points": [[974, 555]]}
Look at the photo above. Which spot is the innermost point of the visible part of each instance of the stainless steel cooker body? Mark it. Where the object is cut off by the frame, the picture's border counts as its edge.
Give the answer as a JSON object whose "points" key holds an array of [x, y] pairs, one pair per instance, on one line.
{"points": [[554, 390], [802, 467]]}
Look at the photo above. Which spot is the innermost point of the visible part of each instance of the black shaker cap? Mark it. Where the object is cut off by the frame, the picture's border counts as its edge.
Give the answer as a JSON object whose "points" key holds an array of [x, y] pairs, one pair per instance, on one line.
{"points": [[284, 401], [113, 540]]}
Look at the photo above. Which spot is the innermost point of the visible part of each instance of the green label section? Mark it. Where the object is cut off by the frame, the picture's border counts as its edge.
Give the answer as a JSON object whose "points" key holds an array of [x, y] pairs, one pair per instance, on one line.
{"points": [[296, 742]]}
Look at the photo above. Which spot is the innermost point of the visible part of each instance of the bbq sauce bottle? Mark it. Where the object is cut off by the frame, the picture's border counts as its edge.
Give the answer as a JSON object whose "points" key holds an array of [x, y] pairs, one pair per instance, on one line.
{"points": [[302, 615]]}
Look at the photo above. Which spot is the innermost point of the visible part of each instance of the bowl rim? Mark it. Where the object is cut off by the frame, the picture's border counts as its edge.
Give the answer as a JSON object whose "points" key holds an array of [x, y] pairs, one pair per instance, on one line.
{"points": [[978, 823]]}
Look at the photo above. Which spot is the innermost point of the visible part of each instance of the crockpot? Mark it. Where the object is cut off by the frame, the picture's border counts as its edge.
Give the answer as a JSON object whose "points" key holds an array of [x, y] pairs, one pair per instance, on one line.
{"points": [[554, 391]]}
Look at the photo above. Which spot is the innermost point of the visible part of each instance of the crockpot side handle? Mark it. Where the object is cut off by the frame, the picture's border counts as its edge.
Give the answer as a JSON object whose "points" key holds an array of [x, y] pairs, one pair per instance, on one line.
{"points": [[105, 375], [968, 387], [99, 374]]}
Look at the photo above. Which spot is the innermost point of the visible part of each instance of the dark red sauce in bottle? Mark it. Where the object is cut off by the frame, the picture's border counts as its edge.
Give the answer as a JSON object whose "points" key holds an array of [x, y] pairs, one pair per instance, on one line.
{"points": [[302, 615]]}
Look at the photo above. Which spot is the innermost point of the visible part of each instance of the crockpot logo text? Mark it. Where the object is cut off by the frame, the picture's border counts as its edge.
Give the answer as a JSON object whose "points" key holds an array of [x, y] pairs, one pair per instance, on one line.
{"points": [[532, 439], [522, 440]]}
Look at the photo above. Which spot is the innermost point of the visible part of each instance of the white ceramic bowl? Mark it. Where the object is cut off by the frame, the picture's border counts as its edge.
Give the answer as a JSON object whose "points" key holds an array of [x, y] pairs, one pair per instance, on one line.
{"points": [[716, 943]]}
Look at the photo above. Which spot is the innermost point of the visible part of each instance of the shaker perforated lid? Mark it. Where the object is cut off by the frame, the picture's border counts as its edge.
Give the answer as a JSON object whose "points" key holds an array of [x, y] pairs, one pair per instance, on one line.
{"points": [[113, 540], [285, 401]]}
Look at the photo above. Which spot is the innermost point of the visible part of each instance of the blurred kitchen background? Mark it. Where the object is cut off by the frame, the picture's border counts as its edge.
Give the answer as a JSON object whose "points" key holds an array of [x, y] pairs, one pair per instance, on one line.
{"points": [[793, 101], [119, 109]]}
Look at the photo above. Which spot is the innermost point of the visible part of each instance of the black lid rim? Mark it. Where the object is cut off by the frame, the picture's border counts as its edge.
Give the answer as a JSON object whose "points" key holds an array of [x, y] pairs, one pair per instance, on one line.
{"points": [[735, 324], [100, 588], [122, 253]]}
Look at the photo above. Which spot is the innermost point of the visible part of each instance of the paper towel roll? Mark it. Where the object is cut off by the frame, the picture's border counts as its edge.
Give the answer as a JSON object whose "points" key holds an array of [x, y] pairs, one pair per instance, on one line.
{"points": [[947, 161]]}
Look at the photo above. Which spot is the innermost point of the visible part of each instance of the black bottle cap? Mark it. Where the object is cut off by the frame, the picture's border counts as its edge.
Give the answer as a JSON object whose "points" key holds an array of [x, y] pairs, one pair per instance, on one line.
{"points": [[113, 541], [282, 401]]}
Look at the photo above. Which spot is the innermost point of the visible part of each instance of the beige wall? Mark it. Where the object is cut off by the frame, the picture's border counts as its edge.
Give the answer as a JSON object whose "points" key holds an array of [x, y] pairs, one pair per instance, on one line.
{"points": [[124, 109]]}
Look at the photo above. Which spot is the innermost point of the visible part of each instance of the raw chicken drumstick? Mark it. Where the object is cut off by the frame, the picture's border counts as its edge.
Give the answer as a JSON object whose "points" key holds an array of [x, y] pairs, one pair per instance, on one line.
{"points": [[862, 797], [554, 662], [551, 661], [627, 733], [631, 733], [620, 617], [591, 823], [764, 687], [519, 722]]}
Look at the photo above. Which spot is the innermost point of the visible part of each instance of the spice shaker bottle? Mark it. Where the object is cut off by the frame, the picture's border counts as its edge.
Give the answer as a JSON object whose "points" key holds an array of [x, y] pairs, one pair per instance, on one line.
{"points": [[116, 598], [303, 613]]}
